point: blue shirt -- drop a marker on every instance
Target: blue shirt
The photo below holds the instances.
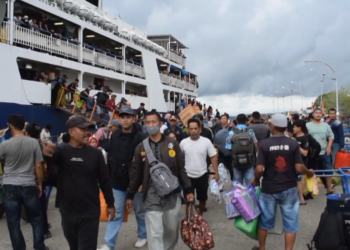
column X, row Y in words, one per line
column 2, row 139
column 338, row 131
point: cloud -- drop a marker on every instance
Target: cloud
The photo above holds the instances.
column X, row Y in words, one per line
column 251, row 48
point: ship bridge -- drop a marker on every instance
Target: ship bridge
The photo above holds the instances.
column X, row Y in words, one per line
column 174, row 47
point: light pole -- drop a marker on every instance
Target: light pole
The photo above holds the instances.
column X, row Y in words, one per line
column 278, row 103
column 334, row 79
column 322, row 83
column 273, row 105
column 291, row 98
column 302, row 96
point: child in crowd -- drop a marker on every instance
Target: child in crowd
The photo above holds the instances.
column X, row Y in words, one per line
column 93, row 142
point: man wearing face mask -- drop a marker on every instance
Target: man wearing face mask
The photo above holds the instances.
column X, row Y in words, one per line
column 82, row 172
column 161, row 213
column 120, row 154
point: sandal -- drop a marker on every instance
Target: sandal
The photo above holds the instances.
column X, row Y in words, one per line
column 332, row 192
column 302, row 203
column 255, row 248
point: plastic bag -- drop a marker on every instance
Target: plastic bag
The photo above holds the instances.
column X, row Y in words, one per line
column 315, row 186
column 223, row 176
column 246, row 202
column 231, row 211
column 215, row 191
column 308, row 184
column 249, row 228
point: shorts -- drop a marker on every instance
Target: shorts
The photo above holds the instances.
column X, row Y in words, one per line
column 324, row 162
column 200, row 185
column 288, row 201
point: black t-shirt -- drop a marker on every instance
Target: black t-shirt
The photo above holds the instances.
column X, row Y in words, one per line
column 141, row 113
column 304, row 144
column 82, row 172
column 102, row 98
column 206, row 133
column 279, row 155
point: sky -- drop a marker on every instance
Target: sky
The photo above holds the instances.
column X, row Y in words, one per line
column 244, row 52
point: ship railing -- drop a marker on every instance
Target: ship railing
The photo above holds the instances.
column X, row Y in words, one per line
column 134, row 68
column 87, row 107
column 45, row 41
column 5, row 32
column 164, row 78
column 176, row 58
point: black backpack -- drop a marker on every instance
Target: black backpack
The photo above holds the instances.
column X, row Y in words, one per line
column 330, row 232
column 314, row 149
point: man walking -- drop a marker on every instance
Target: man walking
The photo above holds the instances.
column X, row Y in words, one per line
column 162, row 213
column 279, row 160
column 323, row 134
column 261, row 130
column 22, row 183
column 338, row 132
column 196, row 149
column 82, row 172
column 120, row 154
column 243, row 157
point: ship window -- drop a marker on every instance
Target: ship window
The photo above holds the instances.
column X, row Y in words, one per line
column 135, row 89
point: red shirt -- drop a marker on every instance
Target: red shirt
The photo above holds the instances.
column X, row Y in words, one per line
column 110, row 104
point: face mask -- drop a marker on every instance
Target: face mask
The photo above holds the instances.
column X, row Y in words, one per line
column 153, row 130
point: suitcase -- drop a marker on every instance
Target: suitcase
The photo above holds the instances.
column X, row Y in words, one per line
column 339, row 203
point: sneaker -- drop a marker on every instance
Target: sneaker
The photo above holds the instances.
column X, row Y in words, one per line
column 140, row 243
column 105, row 247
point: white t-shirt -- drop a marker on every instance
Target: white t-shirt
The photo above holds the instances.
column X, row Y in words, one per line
column 45, row 136
column 196, row 153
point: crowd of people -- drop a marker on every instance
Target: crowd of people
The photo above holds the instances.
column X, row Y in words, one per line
column 117, row 159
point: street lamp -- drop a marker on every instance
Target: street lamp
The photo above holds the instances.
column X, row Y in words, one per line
column 322, row 82
column 302, row 96
column 291, row 98
column 278, row 103
column 334, row 79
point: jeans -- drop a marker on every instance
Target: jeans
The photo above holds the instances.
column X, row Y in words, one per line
column 247, row 175
column 289, row 204
column 163, row 227
column 43, row 204
column 324, row 162
column 335, row 150
column 13, row 198
column 80, row 233
column 114, row 226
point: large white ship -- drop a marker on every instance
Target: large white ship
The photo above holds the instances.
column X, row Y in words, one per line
column 77, row 39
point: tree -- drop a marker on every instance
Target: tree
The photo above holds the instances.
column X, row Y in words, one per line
column 329, row 100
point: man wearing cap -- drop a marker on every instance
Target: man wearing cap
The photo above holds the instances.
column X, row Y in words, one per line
column 279, row 160
column 176, row 129
column 113, row 126
column 123, row 143
column 82, row 172
column 323, row 134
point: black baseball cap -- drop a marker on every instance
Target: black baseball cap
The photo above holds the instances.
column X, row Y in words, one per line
column 79, row 122
column 126, row 110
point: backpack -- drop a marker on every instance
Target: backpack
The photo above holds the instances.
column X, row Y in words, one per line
column 242, row 149
column 314, row 148
column 163, row 179
column 331, row 224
